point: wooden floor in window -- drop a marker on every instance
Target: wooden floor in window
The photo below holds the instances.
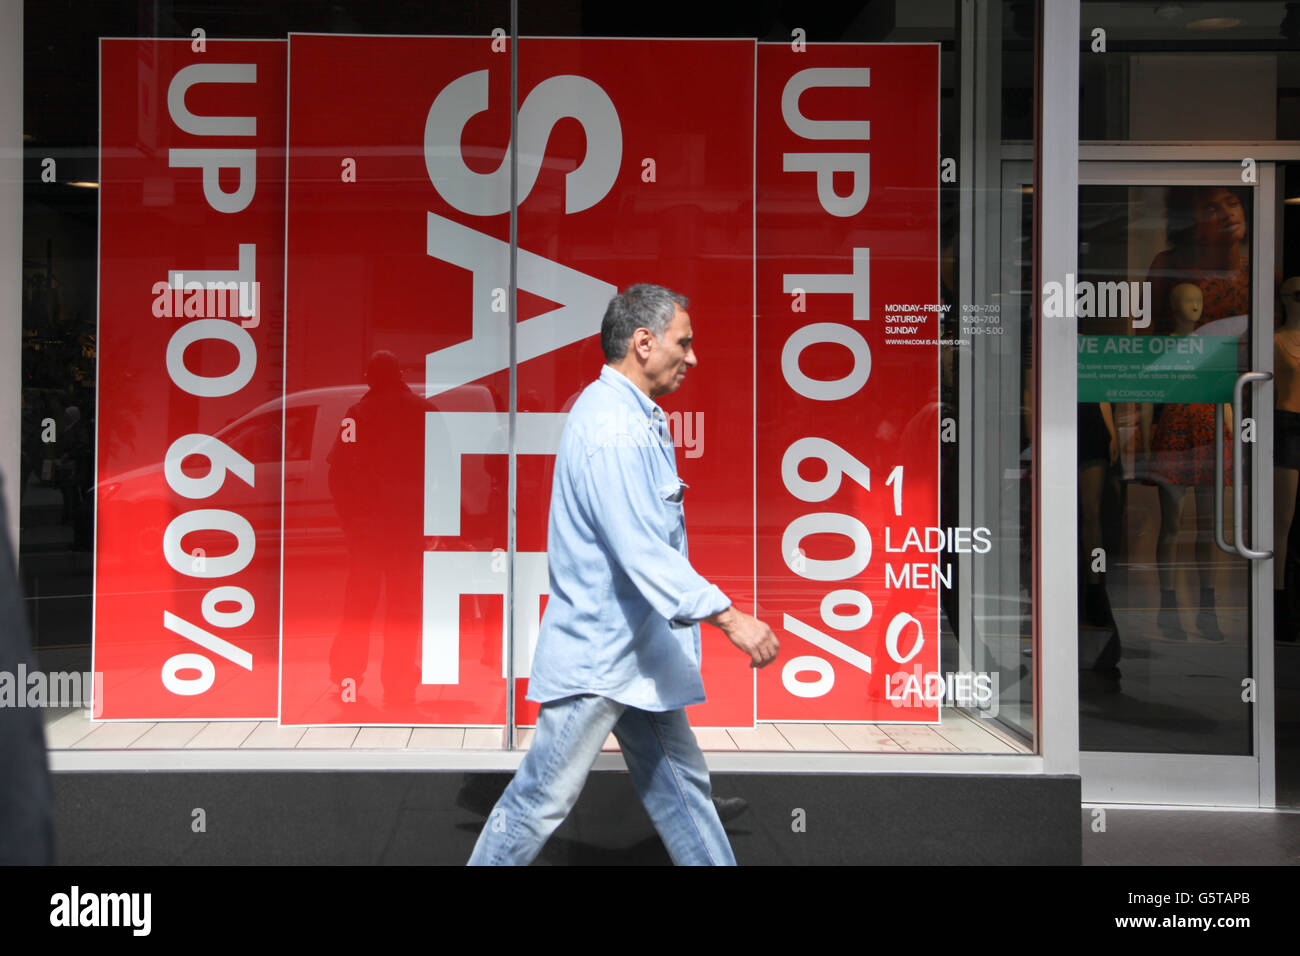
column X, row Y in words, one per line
column 72, row 729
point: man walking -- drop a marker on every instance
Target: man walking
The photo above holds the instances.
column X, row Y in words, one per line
column 619, row 647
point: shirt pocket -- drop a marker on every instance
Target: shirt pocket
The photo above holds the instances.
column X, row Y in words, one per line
column 671, row 493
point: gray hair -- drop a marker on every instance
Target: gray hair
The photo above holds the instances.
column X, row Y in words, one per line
column 641, row 306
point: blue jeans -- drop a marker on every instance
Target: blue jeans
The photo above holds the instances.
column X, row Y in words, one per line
column 662, row 756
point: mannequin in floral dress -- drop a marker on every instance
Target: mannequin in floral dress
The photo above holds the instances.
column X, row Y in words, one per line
column 1203, row 278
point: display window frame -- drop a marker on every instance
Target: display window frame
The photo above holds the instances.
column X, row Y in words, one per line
column 1053, row 700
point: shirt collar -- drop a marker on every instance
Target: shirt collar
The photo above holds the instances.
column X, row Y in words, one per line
column 624, row 386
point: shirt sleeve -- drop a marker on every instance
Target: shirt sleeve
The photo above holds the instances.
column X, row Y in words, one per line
column 629, row 517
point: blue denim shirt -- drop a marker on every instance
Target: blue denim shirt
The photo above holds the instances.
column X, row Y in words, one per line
column 622, row 617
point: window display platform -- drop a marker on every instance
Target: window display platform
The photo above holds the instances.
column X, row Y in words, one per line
column 70, row 729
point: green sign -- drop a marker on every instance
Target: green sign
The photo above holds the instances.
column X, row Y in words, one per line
column 1162, row 369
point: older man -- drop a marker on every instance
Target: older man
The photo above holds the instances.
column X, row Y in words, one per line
column 619, row 648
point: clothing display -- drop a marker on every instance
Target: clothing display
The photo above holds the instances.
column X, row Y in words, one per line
column 1094, row 438
column 1224, row 292
column 1182, row 446
column 1182, row 438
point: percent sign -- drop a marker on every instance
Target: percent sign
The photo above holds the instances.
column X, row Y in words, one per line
column 832, row 646
column 898, row 624
column 839, row 464
column 208, row 641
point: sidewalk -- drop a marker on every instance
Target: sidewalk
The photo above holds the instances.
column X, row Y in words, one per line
column 1182, row 837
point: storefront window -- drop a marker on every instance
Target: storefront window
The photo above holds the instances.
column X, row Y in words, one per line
column 318, row 518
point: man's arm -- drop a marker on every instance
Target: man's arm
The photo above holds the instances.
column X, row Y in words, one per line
column 623, row 511
column 629, row 519
column 749, row 634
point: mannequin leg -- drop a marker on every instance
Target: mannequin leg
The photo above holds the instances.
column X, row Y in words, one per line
column 1091, row 482
column 1096, row 606
column 1171, row 516
column 1207, row 619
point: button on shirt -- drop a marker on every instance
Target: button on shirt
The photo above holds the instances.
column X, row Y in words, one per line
column 622, row 617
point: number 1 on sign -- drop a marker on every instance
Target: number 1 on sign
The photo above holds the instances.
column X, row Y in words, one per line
column 896, row 479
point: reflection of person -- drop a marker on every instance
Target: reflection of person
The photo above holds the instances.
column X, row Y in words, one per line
column 1286, row 449
column 376, row 475
column 1210, row 248
column 619, row 647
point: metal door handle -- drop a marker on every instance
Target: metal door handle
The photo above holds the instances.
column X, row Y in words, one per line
column 1238, row 453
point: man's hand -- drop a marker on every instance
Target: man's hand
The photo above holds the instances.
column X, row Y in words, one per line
column 749, row 634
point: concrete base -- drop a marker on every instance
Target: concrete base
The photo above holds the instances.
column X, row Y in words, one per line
column 412, row 818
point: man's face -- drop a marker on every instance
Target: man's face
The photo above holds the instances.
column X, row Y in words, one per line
column 671, row 355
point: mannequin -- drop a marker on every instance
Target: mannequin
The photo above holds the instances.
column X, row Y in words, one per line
column 1186, row 304
column 1286, row 448
column 1181, row 447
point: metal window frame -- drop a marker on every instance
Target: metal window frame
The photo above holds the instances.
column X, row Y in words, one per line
column 1056, row 390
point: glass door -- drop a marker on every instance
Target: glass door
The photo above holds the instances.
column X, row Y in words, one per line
column 1174, row 302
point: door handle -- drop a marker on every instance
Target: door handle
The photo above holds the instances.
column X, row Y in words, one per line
column 1238, row 453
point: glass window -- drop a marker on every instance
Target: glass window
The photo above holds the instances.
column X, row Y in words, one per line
column 1164, row 629
column 1189, row 71
column 849, row 209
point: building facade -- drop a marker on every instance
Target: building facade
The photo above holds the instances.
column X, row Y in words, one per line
column 994, row 421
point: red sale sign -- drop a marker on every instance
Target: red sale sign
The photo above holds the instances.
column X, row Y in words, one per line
column 848, row 425
column 398, row 348
column 797, row 207
column 188, row 424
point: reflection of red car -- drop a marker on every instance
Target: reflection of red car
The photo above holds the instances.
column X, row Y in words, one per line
column 310, row 422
